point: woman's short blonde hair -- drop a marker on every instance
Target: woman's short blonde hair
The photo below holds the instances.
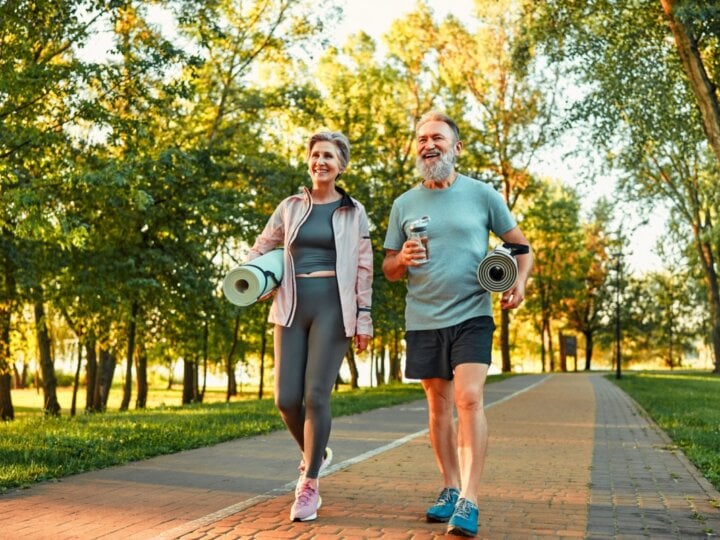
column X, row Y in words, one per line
column 340, row 141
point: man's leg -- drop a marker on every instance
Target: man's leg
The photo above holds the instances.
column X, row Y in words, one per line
column 472, row 426
column 443, row 436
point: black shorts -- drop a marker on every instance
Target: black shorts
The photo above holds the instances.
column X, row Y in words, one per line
column 436, row 353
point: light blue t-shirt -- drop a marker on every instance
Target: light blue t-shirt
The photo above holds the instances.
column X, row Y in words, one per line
column 445, row 291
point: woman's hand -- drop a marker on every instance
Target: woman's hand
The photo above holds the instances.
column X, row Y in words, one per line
column 361, row 342
column 267, row 296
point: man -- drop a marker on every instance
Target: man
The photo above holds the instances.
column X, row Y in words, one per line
column 449, row 324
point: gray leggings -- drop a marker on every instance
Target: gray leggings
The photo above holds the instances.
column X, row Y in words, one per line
column 308, row 355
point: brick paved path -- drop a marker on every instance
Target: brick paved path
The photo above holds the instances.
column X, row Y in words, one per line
column 570, row 456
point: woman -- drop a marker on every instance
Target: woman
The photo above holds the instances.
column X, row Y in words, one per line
column 323, row 301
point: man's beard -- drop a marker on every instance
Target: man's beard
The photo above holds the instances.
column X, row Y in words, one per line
column 439, row 170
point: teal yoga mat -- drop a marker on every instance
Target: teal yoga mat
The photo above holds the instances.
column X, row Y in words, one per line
column 247, row 283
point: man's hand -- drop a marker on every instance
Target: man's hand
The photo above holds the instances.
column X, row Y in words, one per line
column 412, row 251
column 514, row 297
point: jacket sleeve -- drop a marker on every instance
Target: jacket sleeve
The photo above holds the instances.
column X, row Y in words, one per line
column 272, row 236
column 363, row 285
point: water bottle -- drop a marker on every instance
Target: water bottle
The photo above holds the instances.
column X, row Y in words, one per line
column 418, row 231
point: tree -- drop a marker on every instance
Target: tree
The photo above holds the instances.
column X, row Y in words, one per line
column 552, row 225
column 585, row 307
column 40, row 81
column 695, row 26
column 650, row 72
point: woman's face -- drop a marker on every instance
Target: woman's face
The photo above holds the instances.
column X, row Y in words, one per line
column 323, row 163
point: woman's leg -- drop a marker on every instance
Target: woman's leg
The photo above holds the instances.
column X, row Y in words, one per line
column 326, row 348
column 290, row 361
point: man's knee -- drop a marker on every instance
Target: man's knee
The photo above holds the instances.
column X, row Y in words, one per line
column 469, row 399
column 439, row 395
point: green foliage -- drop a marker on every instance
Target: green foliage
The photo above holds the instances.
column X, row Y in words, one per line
column 687, row 407
column 644, row 106
column 41, row 448
column 552, row 225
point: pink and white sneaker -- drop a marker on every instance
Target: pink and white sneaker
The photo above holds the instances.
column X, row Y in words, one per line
column 307, row 502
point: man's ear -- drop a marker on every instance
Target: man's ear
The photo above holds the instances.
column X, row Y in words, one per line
column 458, row 147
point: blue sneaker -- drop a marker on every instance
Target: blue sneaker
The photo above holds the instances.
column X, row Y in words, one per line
column 444, row 506
column 464, row 521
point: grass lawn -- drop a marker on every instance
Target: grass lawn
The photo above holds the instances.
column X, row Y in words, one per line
column 35, row 448
column 687, row 407
column 29, row 401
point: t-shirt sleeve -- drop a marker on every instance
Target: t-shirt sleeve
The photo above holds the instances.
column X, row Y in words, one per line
column 501, row 219
column 394, row 237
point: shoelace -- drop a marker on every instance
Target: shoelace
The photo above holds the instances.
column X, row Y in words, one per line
column 306, row 493
column 463, row 509
column 446, row 496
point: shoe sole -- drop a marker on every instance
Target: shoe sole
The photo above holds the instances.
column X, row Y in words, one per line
column 431, row 519
column 311, row 517
column 459, row 531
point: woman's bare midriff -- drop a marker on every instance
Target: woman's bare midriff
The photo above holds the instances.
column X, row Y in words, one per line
column 319, row 273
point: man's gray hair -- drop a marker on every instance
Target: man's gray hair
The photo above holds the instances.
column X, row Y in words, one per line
column 436, row 116
column 340, row 141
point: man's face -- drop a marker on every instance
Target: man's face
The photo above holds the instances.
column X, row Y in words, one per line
column 436, row 150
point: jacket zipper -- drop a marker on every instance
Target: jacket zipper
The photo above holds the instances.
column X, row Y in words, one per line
column 291, row 315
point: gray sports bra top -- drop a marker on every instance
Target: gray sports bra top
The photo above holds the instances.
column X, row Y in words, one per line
column 314, row 247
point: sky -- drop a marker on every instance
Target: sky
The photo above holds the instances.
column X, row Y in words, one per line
column 375, row 16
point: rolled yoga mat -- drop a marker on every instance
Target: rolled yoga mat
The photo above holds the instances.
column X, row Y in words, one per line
column 247, row 283
column 498, row 271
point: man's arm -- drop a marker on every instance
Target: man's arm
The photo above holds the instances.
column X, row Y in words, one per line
column 396, row 262
column 514, row 297
column 393, row 269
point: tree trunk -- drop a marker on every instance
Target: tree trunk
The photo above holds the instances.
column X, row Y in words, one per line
column 395, row 374
column 229, row 364
column 588, row 350
column 263, row 350
column 171, row 368
column 206, row 337
column 702, row 86
column 7, row 411
column 104, row 379
column 542, row 345
column 132, row 329
column 381, row 352
column 8, row 270
column 76, row 380
column 188, row 395
column 505, row 340
column 51, row 405
column 551, row 352
column 91, row 373
column 350, row 357
column 707, row 259
column 142, row 379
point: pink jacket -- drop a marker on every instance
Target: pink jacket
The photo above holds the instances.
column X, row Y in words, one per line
column 354, row 266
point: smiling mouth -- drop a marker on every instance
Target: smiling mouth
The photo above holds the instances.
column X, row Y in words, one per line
column 430, row 155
